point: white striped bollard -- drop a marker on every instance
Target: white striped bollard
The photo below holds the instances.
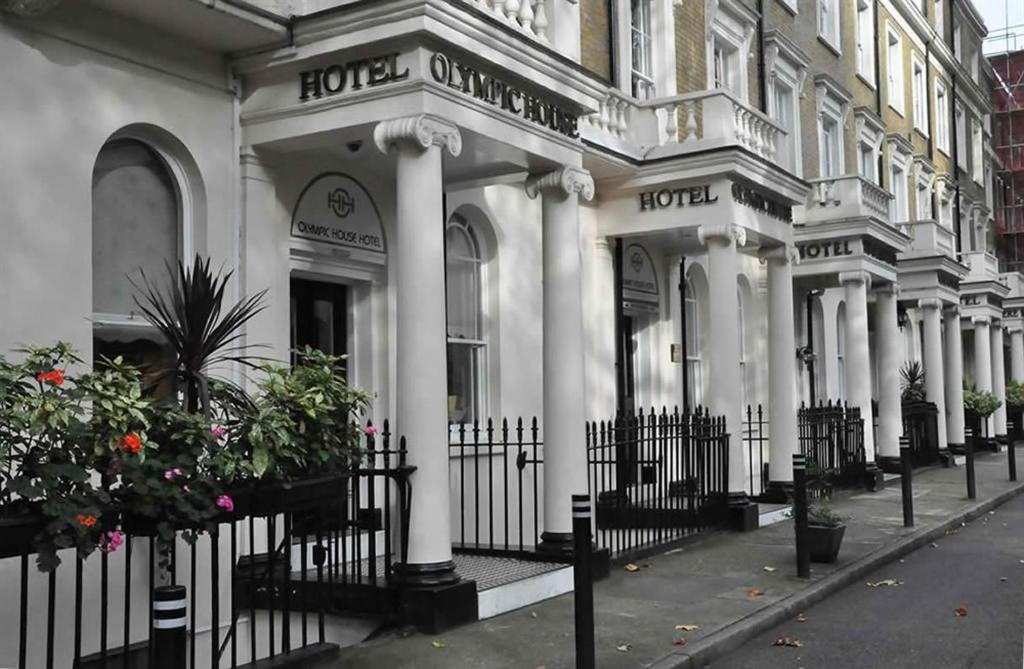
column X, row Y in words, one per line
column 803, row 555
column 583, row 582
column 168, row 636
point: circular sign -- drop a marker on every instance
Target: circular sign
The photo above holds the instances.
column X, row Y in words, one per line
column 337, row 209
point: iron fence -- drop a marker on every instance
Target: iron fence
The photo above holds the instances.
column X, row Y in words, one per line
column 495, row 477
column 259, row 585
column 656, row 477
column 756, row 440
column 831, row 437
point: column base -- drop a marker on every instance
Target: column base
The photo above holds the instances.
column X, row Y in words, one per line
column 874, row 478
column 742, row 513
column 433, row 598
column 889, row 464
column 1002, row 441
column 556, row 545
column 777, row 492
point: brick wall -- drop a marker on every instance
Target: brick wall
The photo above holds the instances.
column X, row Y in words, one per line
column 595, row 37
column 691, row 54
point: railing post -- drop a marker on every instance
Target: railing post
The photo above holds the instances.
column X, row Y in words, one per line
column 168, row 635
column 583, row 582
column 1011, row 450
column 969, row 450
column 906, row 471
column 803, row 556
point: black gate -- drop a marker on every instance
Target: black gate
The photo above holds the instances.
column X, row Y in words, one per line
column 832, row 439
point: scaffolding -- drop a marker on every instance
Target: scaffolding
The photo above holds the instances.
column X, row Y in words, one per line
column 1008, row 145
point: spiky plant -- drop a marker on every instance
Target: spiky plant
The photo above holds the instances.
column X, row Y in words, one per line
column 912, row 382
column 188, row 313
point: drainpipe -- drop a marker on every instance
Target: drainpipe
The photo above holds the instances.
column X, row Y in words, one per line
column 762, row 90
column 928, row 110
column 878, row 87
column 958, row 236
column 620, row 345
column 613, row 25
column 682, row 319
column 810, row 346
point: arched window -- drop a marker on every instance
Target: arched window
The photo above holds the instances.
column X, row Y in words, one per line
column 466, row 340
column 841, row 352
column 694, row 366
column 136, row 224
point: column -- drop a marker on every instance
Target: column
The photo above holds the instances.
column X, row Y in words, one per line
column 954, row 379
column 999, row 380
column 858, row 360
column 887, row 336
column 417, row 254
column 565, row 450
column 1017, row 354
column 934, row 375
column 983, row 361
column 723, row 355
column 781, row 371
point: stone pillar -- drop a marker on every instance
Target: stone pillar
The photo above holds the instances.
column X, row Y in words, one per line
column 723, row 357
column 417, row 254
column 1017, row 354
column 999, row 381
column 782, row 407
column 983, row 362
column 954, row 379
column 887, row 336
column 934, row 374
column 565, row 450
column 858, row 360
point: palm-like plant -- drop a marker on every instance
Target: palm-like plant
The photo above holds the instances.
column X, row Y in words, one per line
column 188, row 315
column 912, row 382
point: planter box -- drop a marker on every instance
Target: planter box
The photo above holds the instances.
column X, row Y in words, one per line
column 17, row 534
column 823, row 542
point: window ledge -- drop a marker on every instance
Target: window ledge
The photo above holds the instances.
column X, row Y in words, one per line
column 867, row 82
column 943, row 151
column 789, row 6
column 920, row 131
column 829, row 45
column 896, row 109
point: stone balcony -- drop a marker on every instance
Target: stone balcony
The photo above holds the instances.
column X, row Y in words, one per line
column 929, row 238
column 846, row 197
column 680, row 124
column 983, row 265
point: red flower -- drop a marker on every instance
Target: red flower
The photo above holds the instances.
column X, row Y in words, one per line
column 132, row 443
column 53, row 377
column 87, row 521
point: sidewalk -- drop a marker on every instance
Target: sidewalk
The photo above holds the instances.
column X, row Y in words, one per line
column 708, row 583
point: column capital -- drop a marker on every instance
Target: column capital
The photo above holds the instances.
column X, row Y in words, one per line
column 951, row 310
column 786, row 254
column 423, row 130
column 570, row 180
column 728, row 231
column 856, row 276
column 888, row 289
column 980, row 320
column 929, row 303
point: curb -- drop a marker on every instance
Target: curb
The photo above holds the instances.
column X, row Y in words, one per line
column 734, row 635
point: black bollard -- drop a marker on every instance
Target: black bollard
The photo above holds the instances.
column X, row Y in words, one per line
column 972, row 491
column 168, row 635
column 906, row 471
column 1011, row 451
column 803, row 556
column 583, row 582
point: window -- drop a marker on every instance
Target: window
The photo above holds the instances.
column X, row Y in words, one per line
column 841, row 352
column 977, row 152
column 785, row 112
column 958, row 49
column 828, row 22
column 941, row 117
column 466, row 342
column 870, row 133
column 900, row 151
column 946, row 206
column 832, row 104
column 924, row 202
column 867, row 163
column 920, row 92
column 725, row 65
column 694, row 367
column 940, row 19
column 865, row 41
column 925, row 183
column 136, row 225
column 643, row 70
column 831, row 148
column 894, row 65
column 961, row 137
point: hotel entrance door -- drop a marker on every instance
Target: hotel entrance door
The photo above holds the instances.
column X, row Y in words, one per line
column 319, row 316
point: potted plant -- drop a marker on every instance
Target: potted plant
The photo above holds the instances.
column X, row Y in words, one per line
column 978, row 406
column 1015, row 406
column 825, row 530
column 912, row 380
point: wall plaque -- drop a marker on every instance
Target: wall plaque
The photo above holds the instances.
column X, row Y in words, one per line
column 336, row 209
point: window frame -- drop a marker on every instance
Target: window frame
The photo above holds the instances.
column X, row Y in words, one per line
column 900, row 160
column 942, row 117
column 832, row 107
column 694, row 354
column 831, row 23
column 895, row 91
column 924, row 182
column 865, row 19
column 919, row 93
column 640, row 77
column 479, row 346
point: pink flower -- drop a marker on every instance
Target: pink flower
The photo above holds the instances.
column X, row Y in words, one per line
column 186, row 488
column 218, row 431
column 371, row 430
column 110, row 541
column 170, row 474
column 226, row 503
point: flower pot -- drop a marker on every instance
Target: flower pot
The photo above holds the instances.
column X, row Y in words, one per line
column 823, row 542
column 267, row 499
column 18, row 533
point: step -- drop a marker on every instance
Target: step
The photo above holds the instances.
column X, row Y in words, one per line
column 770, row 514
column 342, row 548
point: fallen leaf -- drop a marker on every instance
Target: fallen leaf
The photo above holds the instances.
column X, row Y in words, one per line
column 1002, row 578
column 788, row 641
column 934, row 545
column 886, row 582
column 624, row 647
column 679, row 641
column 631, row 567
column 533, row 614
column 800, row 618
column 437, row 643
column 769, row 569
column 687, row 628
column 948, row 532
column 754, row 592
column 960, row 611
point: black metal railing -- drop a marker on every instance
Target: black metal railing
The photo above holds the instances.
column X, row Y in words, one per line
column 756, row 440
column 656, row 477
column 259, row 585
column 831, row 437
column 921, row 427
column 495, row 477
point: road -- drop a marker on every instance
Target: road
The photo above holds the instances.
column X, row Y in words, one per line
column 979, row 568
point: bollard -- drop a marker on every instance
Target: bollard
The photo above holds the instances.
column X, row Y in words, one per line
column 906, row 470
column 583, row 582
column 1011, row 451
column 168, row 635
column 969, row 452
column 803, row 555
